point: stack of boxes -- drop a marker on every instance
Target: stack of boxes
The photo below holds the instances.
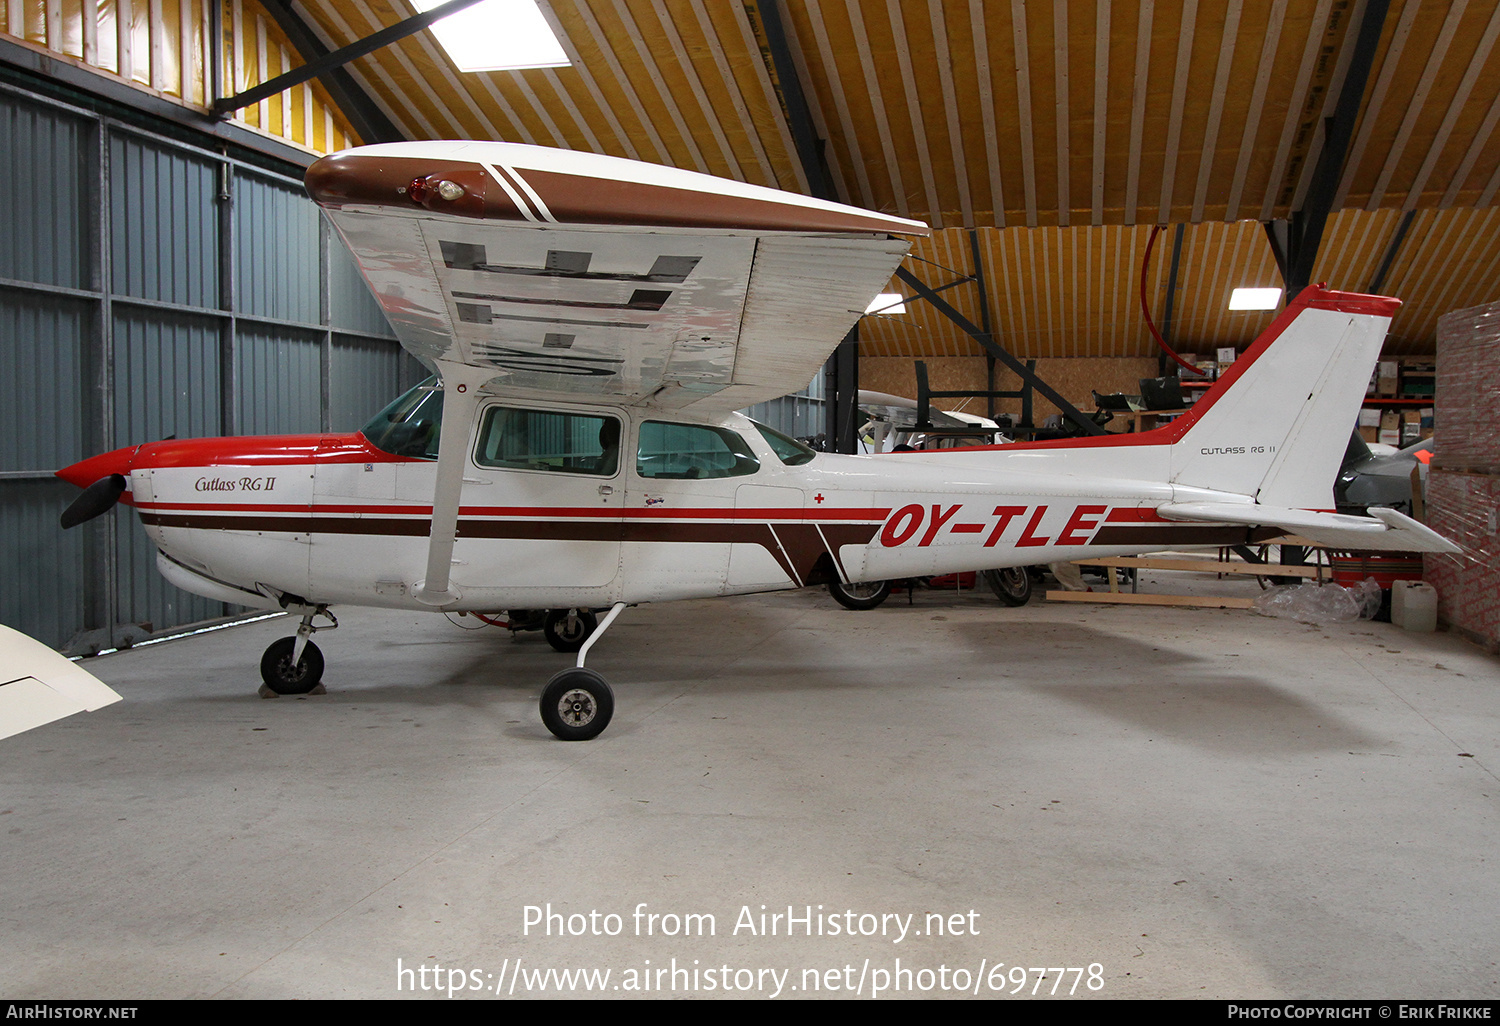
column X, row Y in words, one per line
column 1463, row 488
column 1398, row 424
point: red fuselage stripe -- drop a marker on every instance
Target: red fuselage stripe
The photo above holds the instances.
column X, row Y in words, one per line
column 819, row 515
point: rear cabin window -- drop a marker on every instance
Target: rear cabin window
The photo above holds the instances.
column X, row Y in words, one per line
column 565, row 443
column 692, row 452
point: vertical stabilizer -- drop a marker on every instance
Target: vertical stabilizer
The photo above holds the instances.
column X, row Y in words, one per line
column 1276, row 426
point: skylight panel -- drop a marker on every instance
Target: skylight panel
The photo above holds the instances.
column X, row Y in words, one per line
column 498, row 35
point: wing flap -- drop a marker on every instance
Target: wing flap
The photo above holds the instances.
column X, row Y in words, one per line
column 1384, row 529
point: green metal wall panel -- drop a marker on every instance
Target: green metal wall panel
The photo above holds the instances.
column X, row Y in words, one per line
column 279, row 377
column 276, row 251
column 112, row 333
column 164, row 231
column 44, row 209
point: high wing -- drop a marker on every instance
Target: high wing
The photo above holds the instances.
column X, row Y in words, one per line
column 579, row 276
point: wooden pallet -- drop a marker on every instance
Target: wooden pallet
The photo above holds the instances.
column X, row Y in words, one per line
column 1202, row 566
column 1126, row 598
column 1207, row 566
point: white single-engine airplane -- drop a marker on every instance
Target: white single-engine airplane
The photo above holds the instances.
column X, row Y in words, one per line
column 592, row 324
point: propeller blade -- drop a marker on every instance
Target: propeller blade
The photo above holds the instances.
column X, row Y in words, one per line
column 97, row 498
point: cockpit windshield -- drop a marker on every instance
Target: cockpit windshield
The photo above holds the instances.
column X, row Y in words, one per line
column 410, row 425
column 790, row 451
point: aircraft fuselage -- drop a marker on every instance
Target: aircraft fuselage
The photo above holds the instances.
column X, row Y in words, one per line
column 333, row 519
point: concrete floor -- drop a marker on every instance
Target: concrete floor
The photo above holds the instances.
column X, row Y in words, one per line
column 1204, row 803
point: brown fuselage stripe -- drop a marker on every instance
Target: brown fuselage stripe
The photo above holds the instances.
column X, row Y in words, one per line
column 795, row 547
column 800, row 540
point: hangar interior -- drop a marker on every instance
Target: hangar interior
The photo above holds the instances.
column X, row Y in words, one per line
column 1203, row 803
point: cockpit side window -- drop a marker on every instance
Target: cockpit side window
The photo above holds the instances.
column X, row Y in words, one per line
column 566, row 443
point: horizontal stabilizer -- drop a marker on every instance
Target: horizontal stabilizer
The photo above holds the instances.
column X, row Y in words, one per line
column 1383, row 529
column 38, row 686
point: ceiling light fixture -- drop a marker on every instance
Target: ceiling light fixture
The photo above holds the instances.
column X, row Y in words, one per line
column 1254, row 299
column 498, row 35
column 887, row 303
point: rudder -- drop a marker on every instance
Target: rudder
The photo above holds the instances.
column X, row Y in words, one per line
column 1276, row 426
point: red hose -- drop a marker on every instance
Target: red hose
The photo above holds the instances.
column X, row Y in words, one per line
column 1146, row 309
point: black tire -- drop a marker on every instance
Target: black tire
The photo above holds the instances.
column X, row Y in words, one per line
column 866, row 595
column 567, row 635
column 577, row 704
column 277, row 671
column 1012, row 585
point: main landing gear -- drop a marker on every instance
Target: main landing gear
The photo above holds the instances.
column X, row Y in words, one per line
column 294, row 666
column 1012, row 586
column 863, row 595
column 577, row 703
column 566, row 630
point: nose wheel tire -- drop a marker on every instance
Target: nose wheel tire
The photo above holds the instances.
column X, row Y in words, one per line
column 567, row 629
column 577, row 704
column 865, row 595
column 281, row 677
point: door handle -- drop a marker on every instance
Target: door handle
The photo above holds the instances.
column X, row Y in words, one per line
column 606, row 490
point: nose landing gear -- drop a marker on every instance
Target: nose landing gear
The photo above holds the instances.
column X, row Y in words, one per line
column 294, row 666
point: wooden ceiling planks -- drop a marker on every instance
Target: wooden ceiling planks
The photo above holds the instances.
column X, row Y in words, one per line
column 1072, row 125
column 1075, row 292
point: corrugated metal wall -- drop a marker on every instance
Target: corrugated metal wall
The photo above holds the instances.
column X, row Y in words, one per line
column 150, row 288
column 801, row 415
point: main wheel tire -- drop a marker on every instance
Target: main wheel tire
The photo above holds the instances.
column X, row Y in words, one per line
column 866, row 595
column 567, row 629
column 1012, row 585
column 281, row 677
column 577, row 704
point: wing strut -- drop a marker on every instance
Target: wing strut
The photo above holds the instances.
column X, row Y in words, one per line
column 460, row 400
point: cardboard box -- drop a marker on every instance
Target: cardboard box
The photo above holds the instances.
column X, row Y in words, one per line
column 1388, row 379
column 1390, row 428
column 1369, row 434
column 1369, row 418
